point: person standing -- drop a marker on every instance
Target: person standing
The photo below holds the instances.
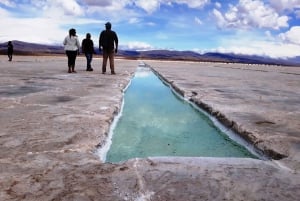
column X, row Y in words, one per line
column 108, row 43
column 71, row 45
column 10, row 50
column 87, row 46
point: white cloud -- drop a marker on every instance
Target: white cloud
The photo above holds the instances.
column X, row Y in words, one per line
column 269, row 35
column 269, row 49
column 50, row 28
column 193, row 3
column 151, row 24
column 218, row 5
column 51, row 21
column 138, row 45
column 8, row 3
column 149, row 5
column 112, row 10
column 46, row 31
column 50, row 8
column 281, row 5
column 292, row 36
column 220, row 20
column 198, row 21
column 134, row 20
column 3, row 13
column 152, row 5
column 70, row 7
column 250, row 14
column 297, row 13
column 103, row 3
column 252, row 44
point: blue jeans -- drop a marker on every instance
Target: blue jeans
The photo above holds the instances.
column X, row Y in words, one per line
column 89, row 58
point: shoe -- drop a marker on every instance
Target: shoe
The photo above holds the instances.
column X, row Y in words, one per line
column 69, row 71
column 74, row 71
column 89, row 69
column 113, row 73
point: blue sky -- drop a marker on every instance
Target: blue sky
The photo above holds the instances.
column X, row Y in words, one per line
column 260, row 27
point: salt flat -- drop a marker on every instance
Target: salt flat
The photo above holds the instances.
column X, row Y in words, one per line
column 52, row 122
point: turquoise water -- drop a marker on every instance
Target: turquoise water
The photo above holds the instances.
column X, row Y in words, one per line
column 156, row 122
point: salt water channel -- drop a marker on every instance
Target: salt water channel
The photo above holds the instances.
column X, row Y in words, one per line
column 155, row 121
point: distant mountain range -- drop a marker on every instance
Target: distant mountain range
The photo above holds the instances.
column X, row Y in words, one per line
column 24, row 48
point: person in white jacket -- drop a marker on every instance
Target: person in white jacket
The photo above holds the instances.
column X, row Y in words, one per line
column 72, row 46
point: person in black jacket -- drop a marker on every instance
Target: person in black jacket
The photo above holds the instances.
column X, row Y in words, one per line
column 10, row 50
column 87, row 46
column 108, row 43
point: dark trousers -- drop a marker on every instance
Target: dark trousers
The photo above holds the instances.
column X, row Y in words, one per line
column 89, row 58
column 108, row 54
column 9, row 56
column 71, row 58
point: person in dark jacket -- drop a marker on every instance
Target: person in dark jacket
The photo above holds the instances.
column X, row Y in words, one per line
column 10, row 50
column 108, row 43
column 87, row 46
